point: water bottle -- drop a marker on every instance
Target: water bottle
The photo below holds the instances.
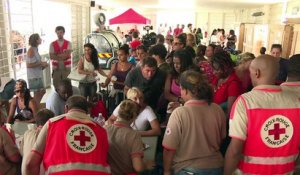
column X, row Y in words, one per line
column 100, row 119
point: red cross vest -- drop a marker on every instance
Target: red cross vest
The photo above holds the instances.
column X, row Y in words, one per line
column 59, row 50
column 75, row 148
column 273, row 138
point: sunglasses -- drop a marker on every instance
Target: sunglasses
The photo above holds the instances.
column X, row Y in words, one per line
column 18, row 91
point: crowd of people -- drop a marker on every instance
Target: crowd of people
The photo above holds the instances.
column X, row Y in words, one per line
column 214, row 114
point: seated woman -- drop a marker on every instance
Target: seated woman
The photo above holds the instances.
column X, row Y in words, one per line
column 146, row 115
column 22, row 104
column 195, row 131
column 126, row 148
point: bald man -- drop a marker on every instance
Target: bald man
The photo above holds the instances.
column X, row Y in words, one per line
column 264, row 125
column 293, row 75
column 67, row 144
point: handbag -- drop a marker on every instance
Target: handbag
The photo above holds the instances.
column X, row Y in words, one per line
column 74, row 75
column 24, row 114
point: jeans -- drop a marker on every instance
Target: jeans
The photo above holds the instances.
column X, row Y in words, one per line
column 88, row 89
column 36, row 84
column 199, row 171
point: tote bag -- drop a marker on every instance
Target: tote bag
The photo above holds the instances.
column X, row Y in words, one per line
column 74, row 75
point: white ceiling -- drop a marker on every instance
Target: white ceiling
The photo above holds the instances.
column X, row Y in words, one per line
column 184, row 4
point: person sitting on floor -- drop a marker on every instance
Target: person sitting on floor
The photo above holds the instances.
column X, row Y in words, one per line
column 57, row 99
column 23, row 104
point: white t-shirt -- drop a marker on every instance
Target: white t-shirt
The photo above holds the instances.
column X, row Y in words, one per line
column 143, row 119
column 213, row 39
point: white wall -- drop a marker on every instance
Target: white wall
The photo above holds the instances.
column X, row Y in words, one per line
column 209, row 19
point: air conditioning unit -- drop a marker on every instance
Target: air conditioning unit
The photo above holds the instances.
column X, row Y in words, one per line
column 256, row 14
column 99, row 19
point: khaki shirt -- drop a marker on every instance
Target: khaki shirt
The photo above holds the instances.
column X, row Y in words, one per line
column 7, row 149
column 195, row 131
column 124, row 143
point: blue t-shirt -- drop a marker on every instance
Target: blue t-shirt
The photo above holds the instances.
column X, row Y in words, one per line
column 132, row 60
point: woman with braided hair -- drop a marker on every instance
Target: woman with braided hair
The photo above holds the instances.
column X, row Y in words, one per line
column 195, row 131
column 227, row 86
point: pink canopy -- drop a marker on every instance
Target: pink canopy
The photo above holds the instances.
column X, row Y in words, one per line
column 130, row 16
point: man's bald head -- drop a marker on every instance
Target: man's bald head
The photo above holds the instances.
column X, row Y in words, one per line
column 64, row 89
column 263, row 70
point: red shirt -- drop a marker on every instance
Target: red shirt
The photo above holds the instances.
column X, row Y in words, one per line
column 207, row 70
column 180, row 31
column 232, row 87
column 135, row 43
column 246, row 82
column 99, row 108
column 176, row 31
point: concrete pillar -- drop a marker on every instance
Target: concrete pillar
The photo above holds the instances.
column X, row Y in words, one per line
column 5, row 47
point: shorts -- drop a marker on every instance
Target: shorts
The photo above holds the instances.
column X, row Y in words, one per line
column 36, row 84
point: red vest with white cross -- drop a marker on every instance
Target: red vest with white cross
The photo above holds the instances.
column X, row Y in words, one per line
column 273, row 136
column 59, row 50
column 73, row 147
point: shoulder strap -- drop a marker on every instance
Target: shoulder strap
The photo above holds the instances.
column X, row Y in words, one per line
column 17, row 105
